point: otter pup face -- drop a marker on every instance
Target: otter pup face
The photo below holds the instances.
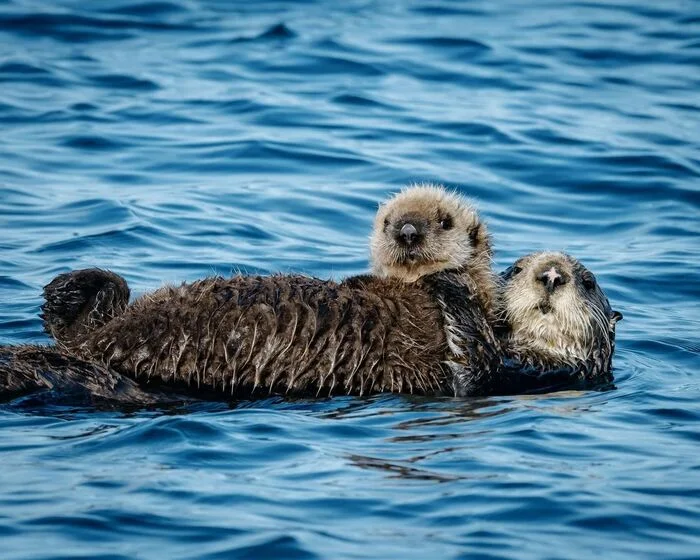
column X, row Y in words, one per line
column 426, row 229
column 554, row 305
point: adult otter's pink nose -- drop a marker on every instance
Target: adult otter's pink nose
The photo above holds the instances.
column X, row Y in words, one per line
column 551, row 279
column 409, row 233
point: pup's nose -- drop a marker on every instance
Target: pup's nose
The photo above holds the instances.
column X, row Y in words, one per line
column 551, row 279
column 409, row 233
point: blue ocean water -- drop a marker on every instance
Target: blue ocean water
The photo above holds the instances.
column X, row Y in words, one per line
column 173, row 139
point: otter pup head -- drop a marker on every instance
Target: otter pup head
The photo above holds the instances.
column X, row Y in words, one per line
column 558, row 313
column 426, row 229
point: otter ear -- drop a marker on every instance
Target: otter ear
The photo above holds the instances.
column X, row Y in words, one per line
column 615, row 317
column 480, row 240
column 507, row 273
column 474, row 234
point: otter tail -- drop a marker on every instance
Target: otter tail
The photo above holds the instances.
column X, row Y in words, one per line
column 80, row 301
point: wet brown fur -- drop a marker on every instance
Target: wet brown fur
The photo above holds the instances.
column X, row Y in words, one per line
column 27, row 369
column 410, row 331
column 82, row 301
column 297, row 335
column 293, row 335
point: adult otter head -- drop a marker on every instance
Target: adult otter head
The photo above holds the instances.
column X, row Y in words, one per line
column 426, row 229
column 558, row 315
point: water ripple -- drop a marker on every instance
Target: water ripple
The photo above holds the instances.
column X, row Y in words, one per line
column 169, row 140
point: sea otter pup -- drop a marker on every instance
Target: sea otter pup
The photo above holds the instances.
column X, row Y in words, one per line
column 558, row 317
column 426, row 229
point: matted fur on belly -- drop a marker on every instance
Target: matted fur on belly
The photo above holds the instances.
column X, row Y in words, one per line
column 292, row 335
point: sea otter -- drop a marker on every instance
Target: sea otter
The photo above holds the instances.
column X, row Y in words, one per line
column 561, row 332
column 294, row 335
column 423, row 324
column 426, row 229
column 421, row 332
column 558, row 316
column 28, row 369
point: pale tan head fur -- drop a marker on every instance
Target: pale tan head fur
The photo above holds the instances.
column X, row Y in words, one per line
column 555, row 307
column 426, row 229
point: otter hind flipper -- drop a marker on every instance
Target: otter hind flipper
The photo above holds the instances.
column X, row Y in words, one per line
column 49, row 376
column 79, row 301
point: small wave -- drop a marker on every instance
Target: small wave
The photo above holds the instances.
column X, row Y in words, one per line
column 324, row 66
column 278, row 31
column 150, row 9
column 72, row 27
column 462, row 44
column 94, row 143
column 359, row 100
column 123, row 81
column 20, row 68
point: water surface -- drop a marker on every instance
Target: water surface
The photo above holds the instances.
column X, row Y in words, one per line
column 169, row 140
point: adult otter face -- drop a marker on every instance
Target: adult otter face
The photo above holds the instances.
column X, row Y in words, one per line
column 425, row 229
column 555, row 308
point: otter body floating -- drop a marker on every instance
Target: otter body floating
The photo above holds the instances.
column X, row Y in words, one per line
column 423, row 324
column 293, row 335
column 420, row 325
column 560, row 333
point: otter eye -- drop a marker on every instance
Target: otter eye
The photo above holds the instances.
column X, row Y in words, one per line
column 588, row 281
column 446, row 223
column 511, row 271
column 386, row 223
